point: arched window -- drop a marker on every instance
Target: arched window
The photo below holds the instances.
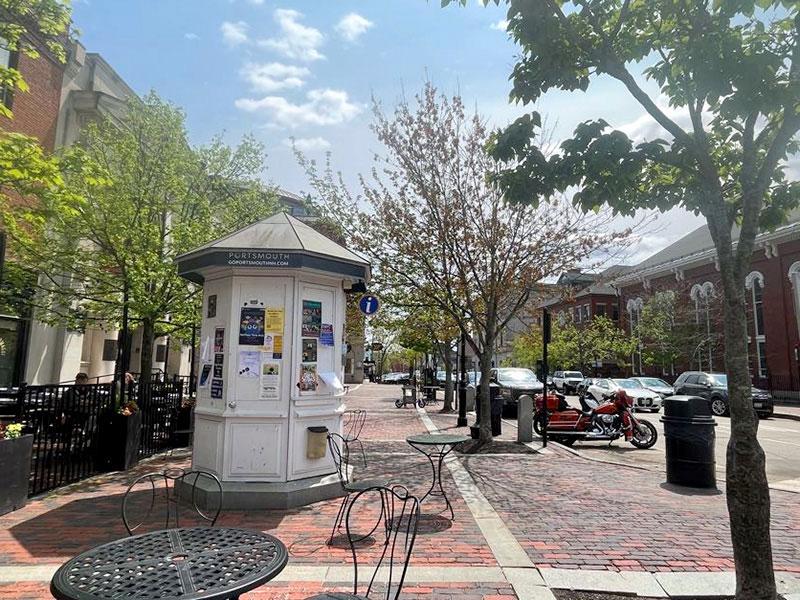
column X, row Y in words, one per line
column 754, row 283
column 635, row 306
column 794, row 278
column 702, row 294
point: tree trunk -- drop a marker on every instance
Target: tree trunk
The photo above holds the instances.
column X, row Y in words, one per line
column 447, row 356
column 746, row 478
column 146, row 356
column 485, row 360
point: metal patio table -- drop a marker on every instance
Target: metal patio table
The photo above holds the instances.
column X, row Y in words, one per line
column 196, row 563
column 435, row 447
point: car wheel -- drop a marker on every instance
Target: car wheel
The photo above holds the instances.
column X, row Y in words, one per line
column 719, row 407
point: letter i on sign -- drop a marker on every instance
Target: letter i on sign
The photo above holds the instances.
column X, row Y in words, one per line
column 369, row 304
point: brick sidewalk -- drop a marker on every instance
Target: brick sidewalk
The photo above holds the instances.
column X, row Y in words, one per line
column 559, row 510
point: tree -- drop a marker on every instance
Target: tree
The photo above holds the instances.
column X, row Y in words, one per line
column 139, row 197
column 434, row 226
column 730, row 73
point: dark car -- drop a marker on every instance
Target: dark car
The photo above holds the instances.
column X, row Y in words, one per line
column 714, row 386
column 515, row 382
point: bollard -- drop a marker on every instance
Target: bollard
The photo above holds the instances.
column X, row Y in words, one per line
column 525, row 419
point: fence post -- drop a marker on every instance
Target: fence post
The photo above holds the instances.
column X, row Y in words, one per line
column 21, row 392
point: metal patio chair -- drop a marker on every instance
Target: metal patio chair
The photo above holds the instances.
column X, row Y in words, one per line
column 399, row 515
column 183, row 491
column 354, row 421
column 340, row 451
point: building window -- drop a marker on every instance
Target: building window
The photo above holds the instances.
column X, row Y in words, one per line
column 576, row 314
column 161, row 353
column 586, row 312
column 755, row 284
column 600, row 309
column 702, row 296
column 8, row 60
column 110, row 350
column 635, row 306
column 614, row 312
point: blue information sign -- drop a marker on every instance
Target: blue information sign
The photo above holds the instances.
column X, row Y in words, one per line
column 369, row 304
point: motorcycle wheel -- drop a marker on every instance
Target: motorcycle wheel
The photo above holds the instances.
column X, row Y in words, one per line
column 644, row 440
column 538, row 424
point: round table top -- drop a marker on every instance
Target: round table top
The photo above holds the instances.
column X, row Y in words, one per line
column 437, row 439
column 198, row 563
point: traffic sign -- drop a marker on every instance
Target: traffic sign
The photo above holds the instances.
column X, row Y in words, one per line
column 369, row 304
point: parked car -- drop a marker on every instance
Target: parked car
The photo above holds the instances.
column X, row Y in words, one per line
column 714, row 386
column 654, row 384
column 584, row 385
column 515, row 382
column 643, row 399
column 395, row 378
column 567, row 381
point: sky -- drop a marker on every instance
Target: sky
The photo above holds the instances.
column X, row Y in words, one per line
column 308, row 70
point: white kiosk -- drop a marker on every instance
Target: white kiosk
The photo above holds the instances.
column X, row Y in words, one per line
column 270, row 360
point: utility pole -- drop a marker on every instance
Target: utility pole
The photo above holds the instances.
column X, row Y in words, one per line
column 545, row 342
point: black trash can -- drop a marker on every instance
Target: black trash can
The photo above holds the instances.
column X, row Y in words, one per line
column 690, row 439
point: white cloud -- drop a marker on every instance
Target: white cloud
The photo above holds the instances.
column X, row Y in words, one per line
column 271, row 77
column 297, row 41
column 323, row 107
column 501, row 25
column 234, row 34
column 191, row 36
column 315, row 144
column 256, row 2
column 353, row 26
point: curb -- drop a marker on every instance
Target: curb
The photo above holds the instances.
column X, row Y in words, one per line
column 786, row 416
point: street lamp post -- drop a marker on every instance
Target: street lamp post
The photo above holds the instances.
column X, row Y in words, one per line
column 545, row 341
column 462, row 387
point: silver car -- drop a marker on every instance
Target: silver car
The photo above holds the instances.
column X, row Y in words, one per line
column 654, row 384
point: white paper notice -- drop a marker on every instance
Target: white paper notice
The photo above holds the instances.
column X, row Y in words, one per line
column 270, row 377
column 249, row 363
column 333, row 382
column 269, row 343
column 205, row 348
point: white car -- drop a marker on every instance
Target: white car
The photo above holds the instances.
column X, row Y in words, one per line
column 643, row 399
column 567, row 381
column 654, row 384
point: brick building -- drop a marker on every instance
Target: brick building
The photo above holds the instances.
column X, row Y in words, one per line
column 687, row 269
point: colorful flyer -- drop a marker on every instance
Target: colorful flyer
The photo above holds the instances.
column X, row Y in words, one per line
column 219, row 339
column 216, row 388
column 277, row 347
column 251, row 326
column 249, row 363
column 274, row 322
column 204, row 373
column 308, row 378
column 326, row 334
column 270, row 378
column 309, row 350
column 312, row 318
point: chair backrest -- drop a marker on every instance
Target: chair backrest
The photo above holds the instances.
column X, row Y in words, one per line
column 399, row 513
column 353, row 423
column 174, row 488
column 340, row 451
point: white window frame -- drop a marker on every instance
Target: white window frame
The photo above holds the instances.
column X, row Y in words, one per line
column 759, row 336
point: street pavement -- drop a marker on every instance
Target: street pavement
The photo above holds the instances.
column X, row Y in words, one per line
column 527, row 521
column 780, row 439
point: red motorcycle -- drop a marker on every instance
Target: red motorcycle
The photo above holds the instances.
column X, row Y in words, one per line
column 608, row 421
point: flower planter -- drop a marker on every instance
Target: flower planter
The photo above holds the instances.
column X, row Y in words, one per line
column 119, row 441
column 15, row 465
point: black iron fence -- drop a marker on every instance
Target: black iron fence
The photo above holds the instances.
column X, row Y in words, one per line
column 66, row 422
column 783, row 388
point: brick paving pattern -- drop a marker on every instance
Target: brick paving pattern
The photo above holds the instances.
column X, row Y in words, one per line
column 566, row 512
